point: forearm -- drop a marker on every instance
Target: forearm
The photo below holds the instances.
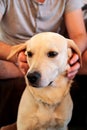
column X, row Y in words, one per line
column 81, row 41
column 7, row 68
column 76, row 28
column 5, row 50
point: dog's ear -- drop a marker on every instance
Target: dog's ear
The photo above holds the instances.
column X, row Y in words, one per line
column 16, row 49
column 73, row 47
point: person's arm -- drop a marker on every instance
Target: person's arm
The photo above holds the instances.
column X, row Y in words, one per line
column 10, row 69
column 76, row 28
column 77, row 32
column 5, row 50
column 7, row 68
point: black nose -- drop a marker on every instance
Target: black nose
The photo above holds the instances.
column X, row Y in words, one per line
column 34, row 78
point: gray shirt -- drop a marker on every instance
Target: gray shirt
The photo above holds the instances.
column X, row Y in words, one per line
column 21, row 19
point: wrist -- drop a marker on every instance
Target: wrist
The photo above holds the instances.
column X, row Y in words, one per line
column 12, row 57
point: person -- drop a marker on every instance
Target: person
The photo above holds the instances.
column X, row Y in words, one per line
column 20, row 20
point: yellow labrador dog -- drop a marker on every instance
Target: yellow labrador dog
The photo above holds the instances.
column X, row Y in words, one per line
column 46, row 103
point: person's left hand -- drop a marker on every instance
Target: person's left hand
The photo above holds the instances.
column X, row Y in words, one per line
column 74, row 66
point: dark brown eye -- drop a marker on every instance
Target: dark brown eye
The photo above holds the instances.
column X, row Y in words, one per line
column 52, row 54
column 29, row 53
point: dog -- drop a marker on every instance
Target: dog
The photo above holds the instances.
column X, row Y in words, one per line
column 46, row 103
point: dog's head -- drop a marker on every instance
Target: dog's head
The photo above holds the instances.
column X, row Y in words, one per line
column 47, row 55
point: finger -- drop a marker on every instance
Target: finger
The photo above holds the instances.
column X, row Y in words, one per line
column 74, row 59
column 22, row 57
column 74, row 68
column 72, row 74
column 23, row 67
column 23, row 71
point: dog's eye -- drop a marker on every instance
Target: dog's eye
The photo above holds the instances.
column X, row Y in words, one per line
column 29, row 53
column 52, row 54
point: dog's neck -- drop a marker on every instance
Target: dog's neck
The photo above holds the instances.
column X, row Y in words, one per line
column 53, row 94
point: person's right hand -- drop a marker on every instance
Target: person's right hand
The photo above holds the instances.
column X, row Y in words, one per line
column 22, row 62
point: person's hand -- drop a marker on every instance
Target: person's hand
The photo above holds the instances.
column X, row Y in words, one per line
column 22, row 62
column 74, row 66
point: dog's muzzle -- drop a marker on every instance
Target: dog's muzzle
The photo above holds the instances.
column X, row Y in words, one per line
column 34, row 78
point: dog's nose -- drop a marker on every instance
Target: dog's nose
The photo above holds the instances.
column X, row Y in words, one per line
column 34, row 78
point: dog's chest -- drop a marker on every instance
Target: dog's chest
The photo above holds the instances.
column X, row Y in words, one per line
column 38, row 114
column 47, row 116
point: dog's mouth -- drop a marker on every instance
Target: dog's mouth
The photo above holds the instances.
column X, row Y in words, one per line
column 50, row 83
column 35, row 80
column 39, row 86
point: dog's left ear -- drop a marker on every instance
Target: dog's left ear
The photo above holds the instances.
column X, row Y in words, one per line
column 73, row 47
column 16, row 49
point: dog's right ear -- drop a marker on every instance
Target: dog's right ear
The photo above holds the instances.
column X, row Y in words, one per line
column 16, row 49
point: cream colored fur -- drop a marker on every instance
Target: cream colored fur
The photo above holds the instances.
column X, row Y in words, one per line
column 48, row 105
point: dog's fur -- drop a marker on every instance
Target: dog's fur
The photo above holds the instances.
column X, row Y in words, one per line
column 46, row 103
